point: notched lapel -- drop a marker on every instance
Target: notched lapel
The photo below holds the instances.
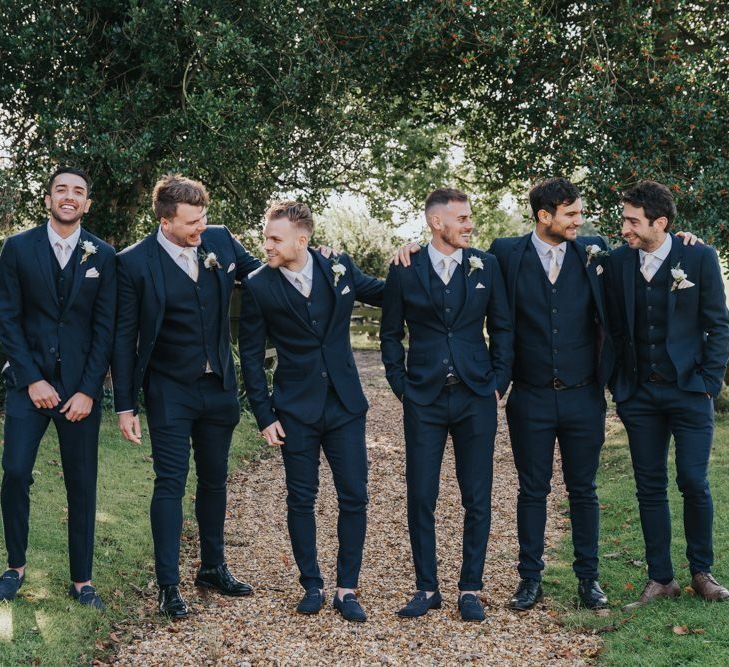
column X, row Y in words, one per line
column 42, row 246
column 512, row 271
column 155, row 267
column 79, row 269
column 421, row 263
column 591, row 277
column 629, row 267
column 207, row 247
column 674, row 258
column 276, row 279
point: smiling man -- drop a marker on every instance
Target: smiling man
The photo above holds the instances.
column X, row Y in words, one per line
column 562, row 362
column 303, row 303
column 671, row 330
column 57, row 306
column 450, row 384
column 173, row 341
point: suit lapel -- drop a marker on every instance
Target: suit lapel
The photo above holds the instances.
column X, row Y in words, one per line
column 326, row 268
column 208, row 247
column 42, row 244
column 80, row 269
column 421, row 264
column 629, row 266
column 591, row 278
column 674, row 258
column 512, row 271
column 155, row 267
column 470, row 283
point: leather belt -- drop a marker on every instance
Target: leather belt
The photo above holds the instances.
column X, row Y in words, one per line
column 556, row 384
column 657, row 378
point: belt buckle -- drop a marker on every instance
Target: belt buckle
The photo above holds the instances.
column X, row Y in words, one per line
column 451, row 380
column 558, row 385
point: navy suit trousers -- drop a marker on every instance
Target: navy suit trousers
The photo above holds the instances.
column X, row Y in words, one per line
column 471, row 421
column 538, row 416
column 204, row 413
column 342, row 437
column 79, row 443
column 651, row 416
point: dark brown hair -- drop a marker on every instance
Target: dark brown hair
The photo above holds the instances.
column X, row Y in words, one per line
column 654, row 198
column 174, row 189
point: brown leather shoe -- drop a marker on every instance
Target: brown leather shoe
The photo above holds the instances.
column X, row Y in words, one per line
column 709, row 588
column 654, row 591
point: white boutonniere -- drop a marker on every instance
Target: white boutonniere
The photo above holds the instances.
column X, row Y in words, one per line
column 210, row 260
column 593, row 251
column 680, row 279
column 476, row 264
column 89, row 249
column 338, row 269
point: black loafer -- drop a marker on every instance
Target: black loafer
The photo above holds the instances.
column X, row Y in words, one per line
column 421, row 604
column 350, row 608
column 591, row 595
column 87, row 596
column 527, row 594
column 10, row 582
column 171, row 603
column 312, row 602
column 222, row 581
column 471, row 608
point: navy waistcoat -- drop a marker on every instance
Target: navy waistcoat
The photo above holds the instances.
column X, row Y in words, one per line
column 190, row 332
column 317, row 308
column 555, row 324
column 448, row 299
column 651, row 324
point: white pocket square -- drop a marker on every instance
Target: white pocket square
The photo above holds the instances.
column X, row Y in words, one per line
column 599, row 269
column 231, row 267
column 92, row 273
column 346, row 290
column 480, row 286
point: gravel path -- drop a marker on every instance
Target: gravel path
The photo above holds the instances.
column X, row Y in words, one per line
column 264, row 630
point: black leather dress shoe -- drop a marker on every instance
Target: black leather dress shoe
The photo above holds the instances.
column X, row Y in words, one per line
column 222, row 581
column 171, row 602
column 312, row 602
column 591, row 595
column 527, row 594
column 421, row 604
column 350, row 608
column 87, row 596
column 471, row 608
column 10, row 582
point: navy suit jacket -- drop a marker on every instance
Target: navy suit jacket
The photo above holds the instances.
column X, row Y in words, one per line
column 408, row 299
column 141, row 307
column 698, row 322
column 298, row 385
column 510, row 251
column 33, row 327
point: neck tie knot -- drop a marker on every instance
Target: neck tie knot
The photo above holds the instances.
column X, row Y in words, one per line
column 447, row 263
column 553, row 264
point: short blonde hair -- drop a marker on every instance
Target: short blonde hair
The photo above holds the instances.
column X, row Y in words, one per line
column 299, row 214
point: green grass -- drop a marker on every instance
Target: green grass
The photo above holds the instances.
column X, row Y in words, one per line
column 43, row 626
column 646, row 636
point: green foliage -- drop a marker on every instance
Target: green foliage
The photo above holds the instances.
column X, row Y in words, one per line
column 371, row 243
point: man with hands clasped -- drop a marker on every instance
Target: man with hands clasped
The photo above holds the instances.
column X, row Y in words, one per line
column 303, row 302
column 57, row 306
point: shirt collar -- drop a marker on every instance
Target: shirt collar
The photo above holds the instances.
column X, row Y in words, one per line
column 70, row 241
column 307, row 271
column 172, row 249
column 436, row 256
column 661, row 253
column 543, row 247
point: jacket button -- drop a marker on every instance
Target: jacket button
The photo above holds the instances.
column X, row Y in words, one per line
column 324, row 374
column 445, row 361
column 450, row 335
column 52, row 350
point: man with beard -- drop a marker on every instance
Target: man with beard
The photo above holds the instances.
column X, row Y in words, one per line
column 57, row 306
column 671, row 330
column 303, row 303
column 173, row 341
column 450, row 385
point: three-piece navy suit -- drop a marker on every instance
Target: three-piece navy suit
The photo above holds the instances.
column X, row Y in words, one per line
column 672, row 347
column 563, row 359
column 448, row 386
column 56, row 325
column 317, row 397
column 173, row 341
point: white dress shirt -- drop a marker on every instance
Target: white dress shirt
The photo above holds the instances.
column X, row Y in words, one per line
column 544, row 250
column 301, row 280
column 437, row 257
column 68, row 244
column 657, row 258
column 185, row 258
